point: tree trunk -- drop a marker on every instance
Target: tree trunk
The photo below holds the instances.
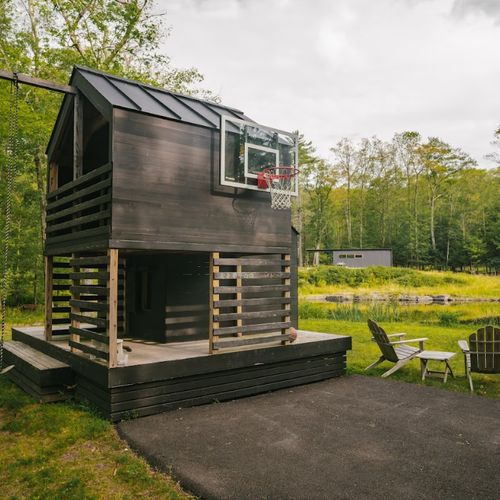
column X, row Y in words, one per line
column 316, row 254
column 433, row 232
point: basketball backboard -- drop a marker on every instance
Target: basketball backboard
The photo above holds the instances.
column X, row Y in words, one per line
column 247, row 148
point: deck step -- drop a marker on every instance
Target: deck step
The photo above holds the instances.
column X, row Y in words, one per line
column 45, row 378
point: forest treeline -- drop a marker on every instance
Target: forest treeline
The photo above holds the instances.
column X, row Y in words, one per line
column 44, row 39
column 425, row 199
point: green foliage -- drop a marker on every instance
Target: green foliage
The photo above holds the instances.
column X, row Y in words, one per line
column 425, row 199
column 45, row 39
column 394, row 312
column 371, row 277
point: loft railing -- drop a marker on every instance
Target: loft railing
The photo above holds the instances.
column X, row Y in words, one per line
column 80, row 209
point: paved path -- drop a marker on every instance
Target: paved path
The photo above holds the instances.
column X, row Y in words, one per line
column 351, row 438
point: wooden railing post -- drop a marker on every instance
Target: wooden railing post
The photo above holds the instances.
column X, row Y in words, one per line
column 286, row 294
column 75, row 296
column 113, row 306
column 49, row 260
column 213, row 297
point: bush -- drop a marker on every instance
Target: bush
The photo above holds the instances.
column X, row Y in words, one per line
column 371, row 276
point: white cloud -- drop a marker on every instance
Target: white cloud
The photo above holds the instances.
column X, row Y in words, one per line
column 350, row 67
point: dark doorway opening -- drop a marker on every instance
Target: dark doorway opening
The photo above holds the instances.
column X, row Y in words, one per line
column 167, row 297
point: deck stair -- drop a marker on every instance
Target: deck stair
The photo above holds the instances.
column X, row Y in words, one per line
column 45, row 378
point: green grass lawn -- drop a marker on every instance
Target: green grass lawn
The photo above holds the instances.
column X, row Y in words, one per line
column 442, row 338
column 64, row 450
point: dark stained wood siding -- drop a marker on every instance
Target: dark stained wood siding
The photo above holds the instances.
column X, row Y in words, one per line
column 165, row 197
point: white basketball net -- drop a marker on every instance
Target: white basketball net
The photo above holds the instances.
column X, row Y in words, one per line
column 281, row 186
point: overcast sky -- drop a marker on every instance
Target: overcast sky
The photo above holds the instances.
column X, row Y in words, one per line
column 349, row 68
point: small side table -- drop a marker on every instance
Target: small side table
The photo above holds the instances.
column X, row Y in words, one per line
column 442, row 356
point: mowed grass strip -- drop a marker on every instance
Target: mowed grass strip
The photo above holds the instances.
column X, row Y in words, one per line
column 441, row 338
column 63, row 450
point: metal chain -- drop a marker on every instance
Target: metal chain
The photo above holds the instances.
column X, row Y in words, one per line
column 10, row 168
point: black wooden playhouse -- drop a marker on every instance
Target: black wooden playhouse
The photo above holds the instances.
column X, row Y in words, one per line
column 170, row 281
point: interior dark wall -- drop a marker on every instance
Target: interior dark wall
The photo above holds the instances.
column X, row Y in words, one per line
column 164, row 196
column 167, row 297
column 95, row 138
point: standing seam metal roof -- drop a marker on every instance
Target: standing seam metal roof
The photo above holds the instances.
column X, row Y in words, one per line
column 143, row 98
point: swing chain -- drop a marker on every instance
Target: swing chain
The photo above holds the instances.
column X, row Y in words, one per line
column 10, row 167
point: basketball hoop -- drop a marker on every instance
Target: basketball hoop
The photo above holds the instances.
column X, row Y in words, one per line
column 280, row 182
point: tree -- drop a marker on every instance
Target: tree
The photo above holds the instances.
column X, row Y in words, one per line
column 307, row 158
column 495, row 156
column 45, row 38
column 440, row 163
column 318, row 180
column 344, row 163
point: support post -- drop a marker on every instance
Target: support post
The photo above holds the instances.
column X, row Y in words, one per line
column 286, row 281
column 75, row 310
column 212, row 298
column 49, row 265
column 113, row 306
column 239, row 308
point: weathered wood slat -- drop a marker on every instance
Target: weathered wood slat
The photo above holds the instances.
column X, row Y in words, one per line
column 251, row 288
column 89, row 275
column 258, row 328
column 61, row 298
column 100, row 200
column 60, row 276
column 91, row 306
column 249, row 315
column 95, row 231
column 57, row 310
column 60, row 321
column 250, row 341
column 98, row 186
column 62, row 265
column 251, row 302
column 248, row 261
column 60, row 287
column 78, row 182
column 251, row 275
column 89, row 261
column 90, row 289
column 103, row 323
column 89, row 350
column 85, row 219
column 91, row 334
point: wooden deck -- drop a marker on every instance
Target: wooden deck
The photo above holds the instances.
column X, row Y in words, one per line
column 160, row 377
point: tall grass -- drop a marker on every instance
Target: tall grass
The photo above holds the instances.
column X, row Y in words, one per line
column 336, row 279
column 393, row 312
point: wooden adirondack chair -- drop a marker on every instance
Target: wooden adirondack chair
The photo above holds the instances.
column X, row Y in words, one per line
column 395, row 351
column 483, row 355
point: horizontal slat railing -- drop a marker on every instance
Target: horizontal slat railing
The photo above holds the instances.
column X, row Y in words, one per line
column 60, row 294
column 70, row 186
column 97, row 304
column 249, row 301
column 79, row 210
column 89, row 306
